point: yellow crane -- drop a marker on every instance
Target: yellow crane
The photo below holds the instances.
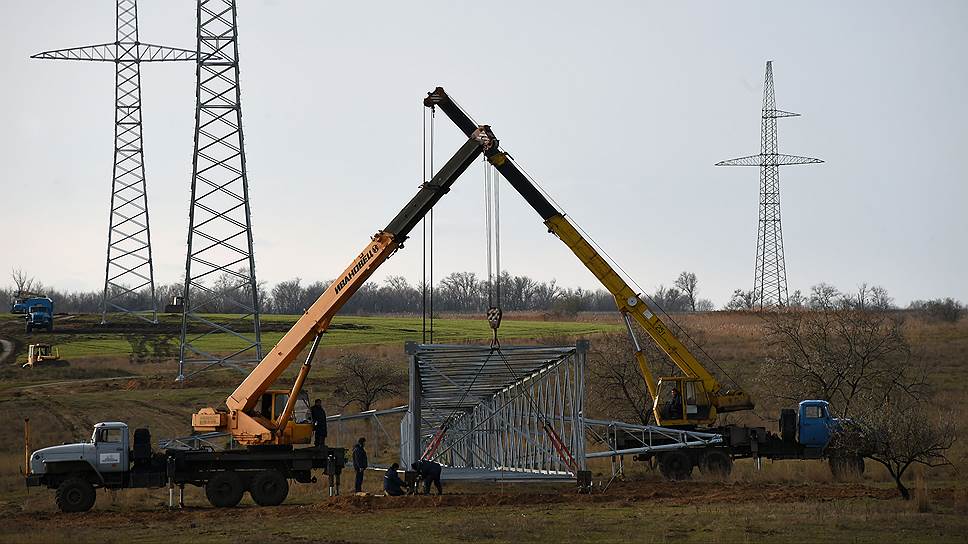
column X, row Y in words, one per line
column 694, row 398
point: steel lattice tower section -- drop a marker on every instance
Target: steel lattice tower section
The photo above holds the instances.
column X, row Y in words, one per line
column 220, row 265
column 770, row 281
column 129, row 267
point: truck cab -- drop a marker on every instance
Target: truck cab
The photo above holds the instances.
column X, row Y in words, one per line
column 815, row 425
column 106, row 453
column 39, row 314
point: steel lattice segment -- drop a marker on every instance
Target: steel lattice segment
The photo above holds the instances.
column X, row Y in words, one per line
column 220, row 320
column 496, row 406
column 770, row 279
column 129, row 273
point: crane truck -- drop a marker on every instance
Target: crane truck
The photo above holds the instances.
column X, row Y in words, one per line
column 261, row 419
column 694, row 399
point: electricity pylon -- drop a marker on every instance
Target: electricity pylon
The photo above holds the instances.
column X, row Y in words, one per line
column 769, row 279
column 220, row 320
column 129, row 269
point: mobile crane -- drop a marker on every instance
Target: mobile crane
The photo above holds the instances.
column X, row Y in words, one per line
column 705, row 395
column 694, row 399
column 257, row 417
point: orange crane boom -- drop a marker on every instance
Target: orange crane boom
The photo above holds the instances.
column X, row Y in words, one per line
column 240, row 417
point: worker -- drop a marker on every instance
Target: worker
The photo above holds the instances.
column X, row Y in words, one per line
column 429, row 472
column 675, row 404
column 392, row 484
column 359, row 463
column 318, row 416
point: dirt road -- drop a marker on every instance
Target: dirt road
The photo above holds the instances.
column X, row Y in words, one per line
column 6, row 350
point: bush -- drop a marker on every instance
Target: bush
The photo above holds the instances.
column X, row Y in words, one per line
column 946, row 309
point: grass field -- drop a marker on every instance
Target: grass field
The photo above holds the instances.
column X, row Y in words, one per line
column 81, row 337
column 106, row 378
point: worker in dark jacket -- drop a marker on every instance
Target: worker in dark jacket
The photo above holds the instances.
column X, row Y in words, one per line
column 359, row 463
column 429, row 472
column 392, row 484
column 318, row 416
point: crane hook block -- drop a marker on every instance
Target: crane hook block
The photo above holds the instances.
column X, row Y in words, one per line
column 494, row 315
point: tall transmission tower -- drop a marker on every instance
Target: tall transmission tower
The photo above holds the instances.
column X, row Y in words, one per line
column 770, row 280
column 220, row 320
column 129, row 269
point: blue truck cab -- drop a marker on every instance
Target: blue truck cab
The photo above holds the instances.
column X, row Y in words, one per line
column 39, row 313
column 815, row 425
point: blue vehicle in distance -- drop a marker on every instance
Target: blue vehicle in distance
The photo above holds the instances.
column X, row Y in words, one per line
column 39, row 314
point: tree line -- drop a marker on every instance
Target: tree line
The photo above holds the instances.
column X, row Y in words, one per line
column 466, row 292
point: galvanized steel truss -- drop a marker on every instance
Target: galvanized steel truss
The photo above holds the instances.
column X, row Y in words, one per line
column 769, row 278
column 496, row 404
column 129, row 270
column 220, row 295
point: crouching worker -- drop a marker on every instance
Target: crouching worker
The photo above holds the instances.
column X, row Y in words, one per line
column 429, row 472
column 393, row 486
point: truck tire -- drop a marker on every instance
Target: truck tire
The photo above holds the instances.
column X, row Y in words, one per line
column 224, row 490
column 30, row 327
column 75, row 495
column 269, row 488
column 716, row 463
column 50, row 327
column 675, row 465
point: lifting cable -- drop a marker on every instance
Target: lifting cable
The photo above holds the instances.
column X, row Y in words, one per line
column 427, row 289
column 492, row 239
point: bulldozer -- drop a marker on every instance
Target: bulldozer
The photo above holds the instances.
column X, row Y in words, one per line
column 38, row 353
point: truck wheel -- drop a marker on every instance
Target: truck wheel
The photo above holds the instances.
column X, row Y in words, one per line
column 224, row 490
column 269, row 488
column 29, row 327
column 75, row 495
column 675, row 465
column 716, row 463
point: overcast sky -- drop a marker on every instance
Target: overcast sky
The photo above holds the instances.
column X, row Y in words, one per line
column 619, row 109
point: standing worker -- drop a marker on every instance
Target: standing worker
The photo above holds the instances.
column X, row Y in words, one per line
column 392, row 484
column 359, row 463
column 429, row 472
column 318, row 416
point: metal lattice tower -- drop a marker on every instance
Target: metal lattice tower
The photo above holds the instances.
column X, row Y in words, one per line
column 129, row 268
column 770, row 281
column 220, row 320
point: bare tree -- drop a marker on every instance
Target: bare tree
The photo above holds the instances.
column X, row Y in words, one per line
column 288, row 297
column 853, row 358
column 947, row 309
column 618, row 389
column 689, row 285
column 823, row 296
column 898, row 434
column 741, row 300
column 21, row 281
column 364, row 381
column 670, row 299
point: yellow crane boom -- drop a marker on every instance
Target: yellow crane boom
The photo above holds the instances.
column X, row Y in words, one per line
column 698, row 393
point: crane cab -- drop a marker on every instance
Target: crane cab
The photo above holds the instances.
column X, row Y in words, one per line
column 299, row 428
column 683, row 401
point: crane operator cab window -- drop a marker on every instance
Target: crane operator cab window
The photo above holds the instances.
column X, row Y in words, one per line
column 683, row 400
column 274, row 403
